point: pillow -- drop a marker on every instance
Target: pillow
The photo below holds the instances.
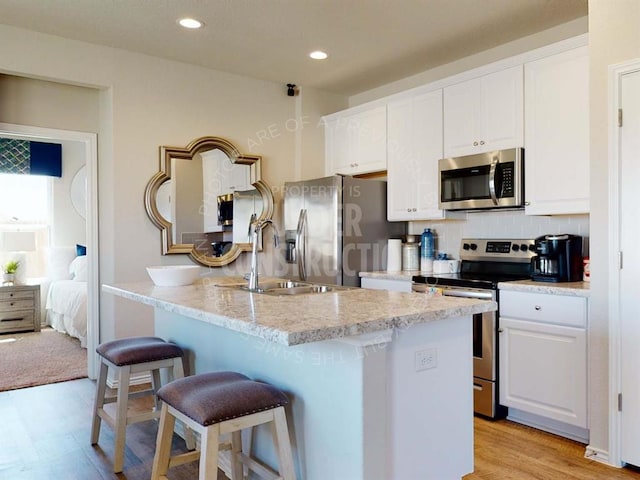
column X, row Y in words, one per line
column 78, row 269
column 81, row 250
column 58, row 261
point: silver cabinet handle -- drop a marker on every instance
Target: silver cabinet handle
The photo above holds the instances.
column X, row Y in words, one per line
column 475, row 144
column 538, row 307
column 481, row 142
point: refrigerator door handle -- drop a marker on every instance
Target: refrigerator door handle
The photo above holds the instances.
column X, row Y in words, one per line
column 301, row 244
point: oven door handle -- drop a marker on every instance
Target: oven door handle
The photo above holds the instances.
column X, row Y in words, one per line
column 492, row 179
column 488, row 295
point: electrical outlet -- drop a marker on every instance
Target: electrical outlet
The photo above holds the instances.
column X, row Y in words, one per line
column 426, row 359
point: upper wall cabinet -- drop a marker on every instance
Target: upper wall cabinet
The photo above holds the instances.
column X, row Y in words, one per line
column 484, row 114
column 414, row 146
column 356, row 142
column 557, row 134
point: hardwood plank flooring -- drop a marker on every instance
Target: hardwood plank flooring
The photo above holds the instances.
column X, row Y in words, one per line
column 44, row 435
column 506, row 450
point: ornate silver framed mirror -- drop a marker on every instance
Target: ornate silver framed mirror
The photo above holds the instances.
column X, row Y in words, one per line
column 204, row 199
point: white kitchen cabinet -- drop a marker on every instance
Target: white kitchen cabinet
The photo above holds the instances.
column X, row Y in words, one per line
column 557, row 134
column 484, row 114
column 543, row 355
column 356, row 142
column 414, row 146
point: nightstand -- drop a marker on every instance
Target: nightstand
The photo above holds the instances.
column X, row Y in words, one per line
column 19, row 308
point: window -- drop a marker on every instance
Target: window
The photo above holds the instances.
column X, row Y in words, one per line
column 25, row 199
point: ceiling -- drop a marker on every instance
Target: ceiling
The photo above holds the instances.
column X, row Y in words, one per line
column 369, row 42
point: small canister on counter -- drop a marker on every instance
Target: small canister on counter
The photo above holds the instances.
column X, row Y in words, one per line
column 586, row 269
column 410, row 256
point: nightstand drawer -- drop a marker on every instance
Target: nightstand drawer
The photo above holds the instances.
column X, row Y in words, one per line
column 16, row 295
column 14, row 321
column 14, row 305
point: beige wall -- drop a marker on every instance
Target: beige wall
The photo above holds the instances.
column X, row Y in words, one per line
column 614, row 37
column 525, row 44
column 144, row 102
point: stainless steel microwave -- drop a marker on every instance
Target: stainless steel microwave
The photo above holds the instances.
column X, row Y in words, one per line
column 483, row 181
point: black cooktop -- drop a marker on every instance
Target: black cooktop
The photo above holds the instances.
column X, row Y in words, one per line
column 465, row 280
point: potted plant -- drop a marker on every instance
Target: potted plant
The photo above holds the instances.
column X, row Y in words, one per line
column 10, row 269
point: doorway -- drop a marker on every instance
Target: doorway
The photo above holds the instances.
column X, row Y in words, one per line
column 88, row 143
column 624, row 289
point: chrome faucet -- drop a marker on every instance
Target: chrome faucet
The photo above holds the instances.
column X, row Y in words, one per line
column 256, row 228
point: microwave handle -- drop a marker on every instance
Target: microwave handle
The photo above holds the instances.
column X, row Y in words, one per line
column 492, row 179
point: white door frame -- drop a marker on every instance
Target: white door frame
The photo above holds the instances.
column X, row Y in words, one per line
column 616, row 72
column 90, row 142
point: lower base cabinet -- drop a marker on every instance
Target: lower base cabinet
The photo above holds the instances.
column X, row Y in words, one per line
column 543, row 356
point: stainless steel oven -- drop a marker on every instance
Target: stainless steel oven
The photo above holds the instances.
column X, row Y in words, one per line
column 484, row 263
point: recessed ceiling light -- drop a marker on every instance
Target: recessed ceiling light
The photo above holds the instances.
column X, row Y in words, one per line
column 318, row 55
column 190, row 23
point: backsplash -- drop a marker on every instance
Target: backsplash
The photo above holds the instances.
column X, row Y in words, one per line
column 501, row 224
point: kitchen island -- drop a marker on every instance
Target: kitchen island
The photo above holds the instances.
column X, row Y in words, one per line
column 380, row 382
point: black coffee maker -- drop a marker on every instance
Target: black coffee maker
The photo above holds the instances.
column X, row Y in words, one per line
column 558, row 259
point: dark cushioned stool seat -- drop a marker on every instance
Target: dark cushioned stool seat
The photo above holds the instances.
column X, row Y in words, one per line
column 129, row 351
column 221, row 405
column 210, row 398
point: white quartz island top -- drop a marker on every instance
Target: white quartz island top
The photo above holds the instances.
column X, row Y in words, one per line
column 571, row 289
column 298, row 319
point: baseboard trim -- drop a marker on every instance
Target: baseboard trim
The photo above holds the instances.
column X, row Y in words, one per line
column 598, row 455
column 549, row 425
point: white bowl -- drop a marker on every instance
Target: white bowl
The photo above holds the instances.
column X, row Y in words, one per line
column 173, row 275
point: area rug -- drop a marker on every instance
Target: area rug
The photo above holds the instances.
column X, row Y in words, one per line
column 39, row 358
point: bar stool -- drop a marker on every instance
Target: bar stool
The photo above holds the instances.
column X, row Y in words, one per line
column 127, row 356
column 214, row 404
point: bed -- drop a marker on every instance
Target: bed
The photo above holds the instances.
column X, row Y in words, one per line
column 66, row 303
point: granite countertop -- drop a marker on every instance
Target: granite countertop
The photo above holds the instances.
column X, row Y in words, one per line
column 575, row 289
column 297, row 319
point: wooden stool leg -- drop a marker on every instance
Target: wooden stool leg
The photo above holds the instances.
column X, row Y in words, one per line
column 163, row 445
column 209, row 453
column 283, row 446
column 98, row 404
column 236, row 448
column 121, row 417
column 178, row 372
column 155, row 385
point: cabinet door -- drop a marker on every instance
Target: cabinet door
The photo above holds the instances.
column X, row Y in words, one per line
column 356, row 142
column 414, row 146
column 543, row 370
column 502, row 110
column 484, row 114
column 557, row 134
column 461, row 118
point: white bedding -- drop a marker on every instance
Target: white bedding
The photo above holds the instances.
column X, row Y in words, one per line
column 67, row 308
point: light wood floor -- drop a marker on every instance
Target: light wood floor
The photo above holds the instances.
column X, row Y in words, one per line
column 44, row 435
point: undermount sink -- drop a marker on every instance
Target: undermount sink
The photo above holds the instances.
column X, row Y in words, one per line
column 291, row 287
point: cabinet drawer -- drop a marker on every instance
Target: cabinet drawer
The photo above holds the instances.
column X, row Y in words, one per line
column 16, row 295
column 540, row 307
column 15, row 305
column 19, row 320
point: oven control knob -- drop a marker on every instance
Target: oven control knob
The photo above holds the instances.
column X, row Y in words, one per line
column 523, row 247
column 532, row 247
column 515, row 247
column 465, row 246
column 473, row 246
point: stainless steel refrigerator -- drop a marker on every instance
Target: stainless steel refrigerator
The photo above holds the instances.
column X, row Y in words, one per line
column 336, row 227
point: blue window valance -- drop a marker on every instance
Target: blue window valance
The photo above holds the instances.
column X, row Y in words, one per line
column 30, row 158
